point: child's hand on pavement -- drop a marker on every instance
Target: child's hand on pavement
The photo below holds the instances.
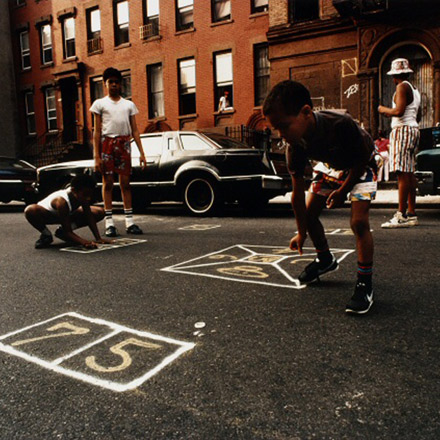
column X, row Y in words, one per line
column 90, row 245
column 105, row 241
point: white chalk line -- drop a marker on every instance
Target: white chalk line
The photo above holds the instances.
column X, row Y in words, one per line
column 114, row 386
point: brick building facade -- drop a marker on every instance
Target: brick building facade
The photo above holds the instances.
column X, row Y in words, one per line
column 342, row 49
column 177, row 58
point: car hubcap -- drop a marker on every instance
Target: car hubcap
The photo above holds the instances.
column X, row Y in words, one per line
column 199, row 196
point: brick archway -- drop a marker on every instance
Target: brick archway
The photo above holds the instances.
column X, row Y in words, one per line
column 257, row 121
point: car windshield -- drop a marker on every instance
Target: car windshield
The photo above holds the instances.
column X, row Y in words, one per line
column 225, row 141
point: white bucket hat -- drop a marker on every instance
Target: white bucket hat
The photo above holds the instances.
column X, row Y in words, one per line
column 398, row 66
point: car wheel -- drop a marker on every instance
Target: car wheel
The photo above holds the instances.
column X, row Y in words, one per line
column 201, row 196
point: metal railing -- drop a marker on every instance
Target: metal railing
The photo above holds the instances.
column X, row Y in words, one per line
column 149, row 30
column 94, row 45
column 250, row 136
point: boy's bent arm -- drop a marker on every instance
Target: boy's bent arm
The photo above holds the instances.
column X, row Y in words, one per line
column 137, row 139
column 300, row 211
column 97, row 133
column 91, row 222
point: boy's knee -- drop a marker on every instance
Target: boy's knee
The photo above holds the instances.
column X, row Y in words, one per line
column 360, row 226
column 30, row 210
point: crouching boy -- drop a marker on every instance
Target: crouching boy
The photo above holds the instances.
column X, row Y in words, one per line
column 344, row 151
column 70, row 208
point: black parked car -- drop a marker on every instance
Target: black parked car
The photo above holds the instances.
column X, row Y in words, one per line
column 428, row 164
column 202, row 170
column 16, row 179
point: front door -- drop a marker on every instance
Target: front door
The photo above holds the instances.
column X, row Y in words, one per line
column 69, row 97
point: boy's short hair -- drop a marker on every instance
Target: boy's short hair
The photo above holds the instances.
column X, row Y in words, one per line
column 289, row 96
column 83, row 181
column 112, row 72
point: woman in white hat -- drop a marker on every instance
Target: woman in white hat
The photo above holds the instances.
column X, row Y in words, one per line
column 404, row 139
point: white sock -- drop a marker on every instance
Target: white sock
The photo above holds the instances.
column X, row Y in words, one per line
column 128, row 217
column 109, row 218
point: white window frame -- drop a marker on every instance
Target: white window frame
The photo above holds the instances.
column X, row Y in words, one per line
column 51, row 108
column 46, row 46
column 25, row 53
column 184, row 7
column 69, row 38
column 30, row 114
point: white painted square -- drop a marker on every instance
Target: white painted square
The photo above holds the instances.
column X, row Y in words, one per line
column 121, row 242
column 269, row 265
column 198, row 227
column 117, row 358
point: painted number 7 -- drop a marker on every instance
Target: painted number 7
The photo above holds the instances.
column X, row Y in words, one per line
column 72, row 330
column 118, row 350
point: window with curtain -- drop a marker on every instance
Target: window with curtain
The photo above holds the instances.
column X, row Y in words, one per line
column 69, row 37
column 51, row 109
column 25, row 50
column 187, row 86
column 46, row 44
column 223, row 77
column 185, row 14
column 122, row 19
column 259, row 6
column 261, row 72
column 156, row 105
column 221, row 10
column 30, row 113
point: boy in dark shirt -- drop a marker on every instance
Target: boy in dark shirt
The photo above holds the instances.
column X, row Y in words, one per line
column 344, row 151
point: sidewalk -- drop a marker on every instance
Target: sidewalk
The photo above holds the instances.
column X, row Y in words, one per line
column 384, row 197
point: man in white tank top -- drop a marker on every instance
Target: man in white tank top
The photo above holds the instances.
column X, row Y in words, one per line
column 404, row 139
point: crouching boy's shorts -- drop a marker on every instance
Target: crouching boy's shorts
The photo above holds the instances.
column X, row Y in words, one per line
column 116, row 155
column 326, row 180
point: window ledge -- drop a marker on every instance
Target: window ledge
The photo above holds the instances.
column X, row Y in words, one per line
column 53, row 132
column 96, row 52
column 225, row 112
column 47, row 65
column 258, row 108
column 31, row 136
column 70, row 59
column 185, row 31
column 28, row 69
column 158, row 119
column 259, row 14
column 153, row 38
column 190, row 116
column 122, row 46
column 221, row 23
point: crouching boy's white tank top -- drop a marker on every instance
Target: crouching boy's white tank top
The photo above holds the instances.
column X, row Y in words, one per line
column 46, row 203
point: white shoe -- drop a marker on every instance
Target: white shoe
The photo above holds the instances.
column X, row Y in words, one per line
column 398, row 221
column 412, row 220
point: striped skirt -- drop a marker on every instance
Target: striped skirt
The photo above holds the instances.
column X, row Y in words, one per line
column 403, row 144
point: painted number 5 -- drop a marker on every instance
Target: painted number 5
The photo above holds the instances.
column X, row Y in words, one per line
column 118, row 350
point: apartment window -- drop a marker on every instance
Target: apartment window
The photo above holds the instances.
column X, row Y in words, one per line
column 302, row 10
column 96, row 88
column 187, row 86
column 69, row 37
column 126, row 85
column 261, row 72
column 25, row 50
column 221, row 10
column 94, row 42
column 19, row 2
column 151, row 19
column 122, row 20
column 46, row 44
column 30, row 113
column 51, row 109
column 259, row 6
column 223, row 78
column 156, row 105
column 185, row 14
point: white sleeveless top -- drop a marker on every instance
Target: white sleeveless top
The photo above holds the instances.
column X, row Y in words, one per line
column 409, row 118
column 46, row 203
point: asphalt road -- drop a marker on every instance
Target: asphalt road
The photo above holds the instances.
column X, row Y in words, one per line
column 201, row 332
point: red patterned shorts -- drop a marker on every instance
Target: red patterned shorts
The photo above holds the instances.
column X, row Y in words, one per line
column 116, row 155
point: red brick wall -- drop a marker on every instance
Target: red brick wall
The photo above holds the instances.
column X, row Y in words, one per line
column 239, row 35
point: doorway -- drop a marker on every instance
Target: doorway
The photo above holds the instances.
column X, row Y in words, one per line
column 69, row 97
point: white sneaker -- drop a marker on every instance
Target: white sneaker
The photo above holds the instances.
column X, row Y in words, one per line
column 398, row 221
column 412, row 220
